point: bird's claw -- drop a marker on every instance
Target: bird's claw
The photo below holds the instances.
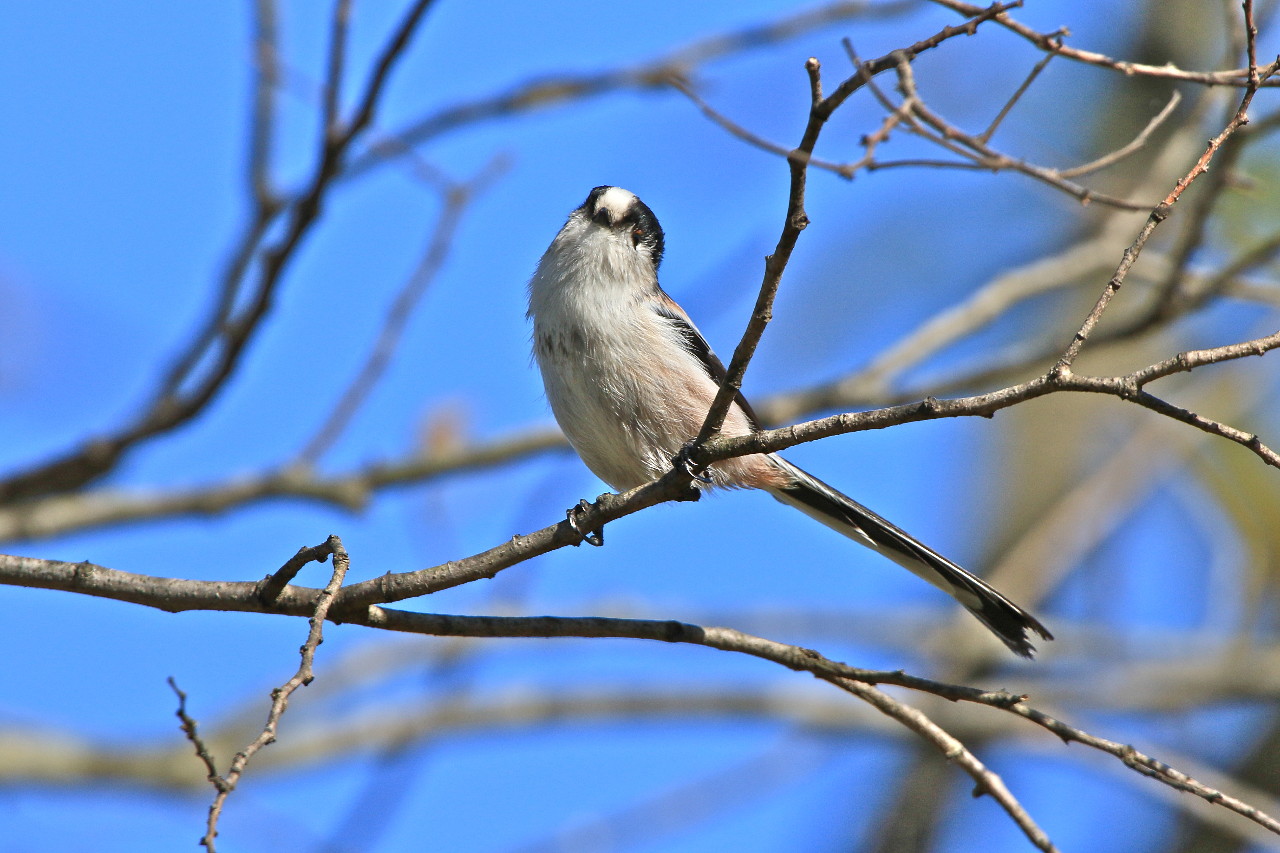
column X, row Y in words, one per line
column 684, row 461
column 591, row 537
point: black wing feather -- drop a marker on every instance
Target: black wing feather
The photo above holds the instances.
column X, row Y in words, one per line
column 696, row 345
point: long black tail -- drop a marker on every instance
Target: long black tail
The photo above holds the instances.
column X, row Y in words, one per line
column 841, row 513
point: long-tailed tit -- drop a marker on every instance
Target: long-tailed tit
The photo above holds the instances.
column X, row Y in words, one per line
column 630, row 380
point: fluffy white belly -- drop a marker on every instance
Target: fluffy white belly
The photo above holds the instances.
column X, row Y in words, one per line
column 627, row 413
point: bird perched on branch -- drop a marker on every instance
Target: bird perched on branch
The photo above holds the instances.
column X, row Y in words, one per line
column 630, row 380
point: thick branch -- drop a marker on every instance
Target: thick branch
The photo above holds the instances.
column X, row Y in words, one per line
column 172, row 595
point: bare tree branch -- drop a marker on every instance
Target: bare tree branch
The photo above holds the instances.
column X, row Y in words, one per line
column 351, row 490
column 956, row 752
column 54, row 515
column 1161, row 211
column 225, row 785
column 654, row 74
column 975, row 150
column 820, row 110
column 1135, row 144
column 169, row 594
column 216, row 351
column 1053, row 43
column 986, row 135
column 191, row 730
column 266, row 67
column 1127, row 387
column 457, row 197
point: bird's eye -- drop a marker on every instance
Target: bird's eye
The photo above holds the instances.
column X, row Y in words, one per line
column 637, row 235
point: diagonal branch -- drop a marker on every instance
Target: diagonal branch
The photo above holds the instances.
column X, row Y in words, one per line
column 978, row 153
column 352, row 490
column 214, row 354
column 796, row 220
column 1053, row 43
column 457, row 198
column 1162, row 210
column 262, row 123
column 955, row 751
column 655, row 74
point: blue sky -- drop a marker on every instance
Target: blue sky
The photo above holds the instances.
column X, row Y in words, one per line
column 123, row 189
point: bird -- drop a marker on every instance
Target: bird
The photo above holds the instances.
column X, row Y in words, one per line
column 630, row 379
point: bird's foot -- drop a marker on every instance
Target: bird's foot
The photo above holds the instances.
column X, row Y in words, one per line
column 684, row 461
column 591, row 537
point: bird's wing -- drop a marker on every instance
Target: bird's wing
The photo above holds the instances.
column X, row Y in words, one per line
column 696, row 345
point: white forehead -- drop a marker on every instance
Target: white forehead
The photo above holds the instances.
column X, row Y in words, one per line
column 617, row 201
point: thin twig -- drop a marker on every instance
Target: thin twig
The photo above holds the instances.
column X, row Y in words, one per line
column 270, row 587
column 1161, row 211
column 1148, row 766
column 266, row 67
column 754, row 139
column 391, row 54
column 1053, row 43
column 658, row 73
column 331, row 101
column 955, row 751
column 986, row 135
column 933, row 127
column 1175, row 97
column 796, row 219
column 191, row 730
column 280, row 696
column 457, row 198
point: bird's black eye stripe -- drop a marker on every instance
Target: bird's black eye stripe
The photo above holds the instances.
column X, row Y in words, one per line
column 646, row 230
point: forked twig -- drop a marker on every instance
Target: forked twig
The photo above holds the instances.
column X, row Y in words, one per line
column 224, row 785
